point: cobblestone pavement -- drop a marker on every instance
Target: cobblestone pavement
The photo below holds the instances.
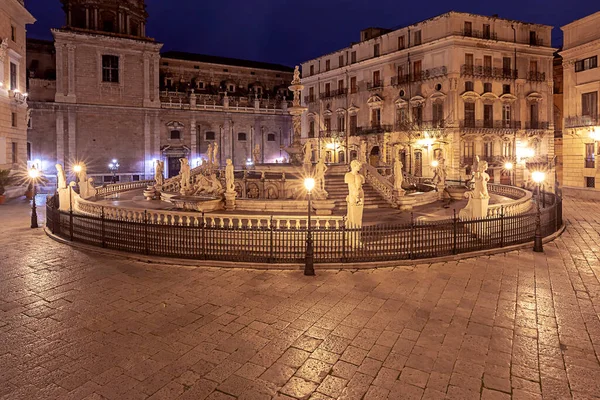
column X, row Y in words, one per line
column 77, row 325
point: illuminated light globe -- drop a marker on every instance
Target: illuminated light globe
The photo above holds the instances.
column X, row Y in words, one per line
column 435, row 164
column 77, row 168
column 508, row 166
column 538, row 177
column 309, row 184
column 33, row 173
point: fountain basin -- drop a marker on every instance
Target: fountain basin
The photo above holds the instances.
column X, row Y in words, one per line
column 197, row 203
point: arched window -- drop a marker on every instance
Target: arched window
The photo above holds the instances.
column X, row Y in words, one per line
column 271, row 137
column 241, row 136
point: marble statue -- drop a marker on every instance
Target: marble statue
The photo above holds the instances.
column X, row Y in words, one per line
column 209, row 154
column 82, row 175
column 256, row 154
column 307, row 152
column 229, row 177
column 362, row 157
column 440, row 173
column 398, row 177
column 356, row 195
column 184, row 173
column 86, row 185
column 320, row 170
column 62, row 177
column 296, row 75
column 216, row 159
column 481, row 178
column 159, row 173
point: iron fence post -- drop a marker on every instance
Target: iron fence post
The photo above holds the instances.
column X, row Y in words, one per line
column 344, row 239
column 271, row 240
column 203, row 236
column 146, row 249
column 501, row 226
column 455, row 233
column 103, row 228
column 411, row 254
column 71, row 224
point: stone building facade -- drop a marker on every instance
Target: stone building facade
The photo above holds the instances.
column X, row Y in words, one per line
column 455, row 86
column 13, row 93
column 112, row 95
column 581, row 86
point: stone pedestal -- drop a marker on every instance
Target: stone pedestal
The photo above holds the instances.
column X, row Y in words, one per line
column 230, row 200
column 354, row 216
column 406, row 203
column 63, row 199
column 479, row 207
column 323, row 207
column 87, row 189
column 150, row 193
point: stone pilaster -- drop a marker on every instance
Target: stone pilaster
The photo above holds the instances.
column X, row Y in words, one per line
column 60, row 138
column 71, row 73
column 72, row 131
column 148, row 156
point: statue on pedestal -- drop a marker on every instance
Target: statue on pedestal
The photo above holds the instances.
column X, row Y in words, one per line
column 481, row 178
column 356, row 195
column 216, row 159
column 362, row 157
column 320, row 170
column 229, row 177
column 256, row 154
column 398, row 177
column 307, row 152
column 440, row 173
column 479, row 197
column 86, row 185
column 209, row 154
column 61, row 176
column 184, row 173
column 159, row 173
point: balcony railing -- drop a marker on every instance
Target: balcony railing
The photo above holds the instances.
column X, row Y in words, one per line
column 374, row 85
column 420, row 75
column 331, row 133
column 582, row 121
column 488, row 72
column 373, row 129
column 416, row 125
column 310, row 99
column 480, row 34
column 490, row 124
column 536, row 41
column 536, row 76
column 590, row 163
column 541, row 125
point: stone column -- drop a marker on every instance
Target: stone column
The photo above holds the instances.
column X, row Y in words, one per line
column 72, row 129
column 148, row 156
column 193, row 137
column 60, row 73
column 60, row 138
column 147, row 82
column 71, row 70
column 157, row 136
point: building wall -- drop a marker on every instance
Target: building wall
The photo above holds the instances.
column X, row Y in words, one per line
column 442, row 55
column 581, row 128
column 13, row 133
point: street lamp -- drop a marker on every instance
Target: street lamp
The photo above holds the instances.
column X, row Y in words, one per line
column 77, row 170
column 309, row 268
column 114, row 167
column 508, row 166
column 34, row 174
column 538, row 177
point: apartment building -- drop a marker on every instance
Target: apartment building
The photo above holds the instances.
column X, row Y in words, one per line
column 581, row 85
column 13, row 97
column 455, row 86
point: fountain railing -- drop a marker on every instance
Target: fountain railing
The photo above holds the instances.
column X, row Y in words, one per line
column 122, row 187
column 180, row 218
column 383, row 186
column 521, row 204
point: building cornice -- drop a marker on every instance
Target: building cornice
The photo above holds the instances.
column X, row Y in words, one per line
column 18, row 11
column 570, row 52
column 94, row 39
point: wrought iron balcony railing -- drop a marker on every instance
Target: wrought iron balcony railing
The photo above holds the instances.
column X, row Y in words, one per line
column 374, row 85
column 373, row 129
column 331, row 133
column 419, row 125
column 479, row 34
column 490, row 124
column 582, row 121
column 488, row 72
column 536, row 41
column 310, row 99
column 420, row 76
column 590, row 163
column 536, row 76
column 535, row 125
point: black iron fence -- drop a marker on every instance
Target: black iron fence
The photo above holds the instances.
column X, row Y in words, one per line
column 414, row 240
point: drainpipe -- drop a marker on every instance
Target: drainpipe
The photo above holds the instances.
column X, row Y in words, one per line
column 515, row 67
column 410, row 149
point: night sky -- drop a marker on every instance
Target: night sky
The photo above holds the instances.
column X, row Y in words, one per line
column 286, row 32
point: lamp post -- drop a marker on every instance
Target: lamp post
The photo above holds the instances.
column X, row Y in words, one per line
column 508, row 166
column 77, row 170
column 34, row 174
column 309, row 268
column 114, row 167
column 538, row 177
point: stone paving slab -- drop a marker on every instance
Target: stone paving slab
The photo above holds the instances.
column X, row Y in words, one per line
column 521, row 325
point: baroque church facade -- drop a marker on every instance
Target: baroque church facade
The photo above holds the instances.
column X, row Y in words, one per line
column 102, row 91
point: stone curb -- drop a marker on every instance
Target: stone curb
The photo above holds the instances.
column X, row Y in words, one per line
column 279, row 266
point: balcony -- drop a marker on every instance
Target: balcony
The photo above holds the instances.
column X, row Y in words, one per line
column 488, row 72
column 536, row 41
column 467, row 160
column 480, row 34
column 582, row 121
column 590, row 163
column 310, row 99
column 419, row 126
column 373, row 129
column 537, row 125
column 420, row 76
column 331, row 133
column 490, row 124
column 536, row 76
column 375, row 85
